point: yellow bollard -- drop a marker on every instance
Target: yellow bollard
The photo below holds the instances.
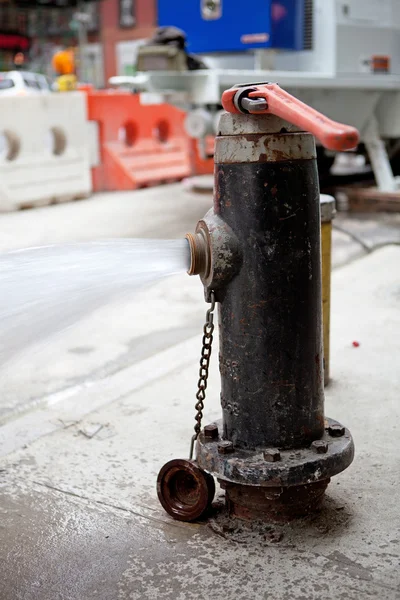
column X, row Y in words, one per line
column 327, row 215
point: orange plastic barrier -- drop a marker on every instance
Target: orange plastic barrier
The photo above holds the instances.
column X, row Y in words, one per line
column 202, row 166
column 140, row 145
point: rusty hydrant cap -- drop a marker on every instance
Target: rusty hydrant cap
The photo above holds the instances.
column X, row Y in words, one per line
column 185, row 490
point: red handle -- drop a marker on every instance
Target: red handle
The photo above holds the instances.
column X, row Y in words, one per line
column 332, row 135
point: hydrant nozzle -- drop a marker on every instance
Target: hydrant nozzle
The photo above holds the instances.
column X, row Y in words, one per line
column 199, row 253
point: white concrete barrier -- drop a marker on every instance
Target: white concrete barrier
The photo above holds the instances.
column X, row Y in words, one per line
column 44, row 150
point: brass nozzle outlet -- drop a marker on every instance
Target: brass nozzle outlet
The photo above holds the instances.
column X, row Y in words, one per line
column 199, row 253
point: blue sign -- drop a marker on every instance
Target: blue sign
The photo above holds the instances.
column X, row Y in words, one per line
column 235, row 25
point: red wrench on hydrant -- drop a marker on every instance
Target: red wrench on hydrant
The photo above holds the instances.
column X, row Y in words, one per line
column 269, row 98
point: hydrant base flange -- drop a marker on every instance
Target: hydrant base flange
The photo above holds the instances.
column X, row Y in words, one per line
column 273, row 504
column 320, row 461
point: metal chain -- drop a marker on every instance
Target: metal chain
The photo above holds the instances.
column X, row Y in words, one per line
column 208, row 330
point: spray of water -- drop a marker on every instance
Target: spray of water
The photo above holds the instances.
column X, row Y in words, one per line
column 47, row 289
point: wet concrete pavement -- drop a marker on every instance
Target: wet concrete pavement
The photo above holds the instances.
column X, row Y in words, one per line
column 88, row 550
column 84, row 435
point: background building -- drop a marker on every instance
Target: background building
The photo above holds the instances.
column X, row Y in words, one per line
column 124, row 24
column 114, row 29
column 13, row 33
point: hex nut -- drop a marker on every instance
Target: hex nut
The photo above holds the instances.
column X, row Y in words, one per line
column 211, row 432
column 320, row 446
column 336, row 430
column 272, row 455
column 225, row 447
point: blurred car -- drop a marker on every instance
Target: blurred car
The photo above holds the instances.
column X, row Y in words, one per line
column 23, row 83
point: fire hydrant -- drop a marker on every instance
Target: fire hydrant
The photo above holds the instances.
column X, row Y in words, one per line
column 258, row 255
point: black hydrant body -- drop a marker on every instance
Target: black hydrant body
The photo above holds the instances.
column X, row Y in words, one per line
column 271, row 358
column 258, row 254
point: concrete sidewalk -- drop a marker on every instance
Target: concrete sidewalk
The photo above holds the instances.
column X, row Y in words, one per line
column 84, row 434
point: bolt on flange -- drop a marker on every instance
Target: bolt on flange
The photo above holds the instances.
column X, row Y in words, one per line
column 272, row 455
column 211, row 432
column 225, row 447
column 336, row 430
column 320, row 446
